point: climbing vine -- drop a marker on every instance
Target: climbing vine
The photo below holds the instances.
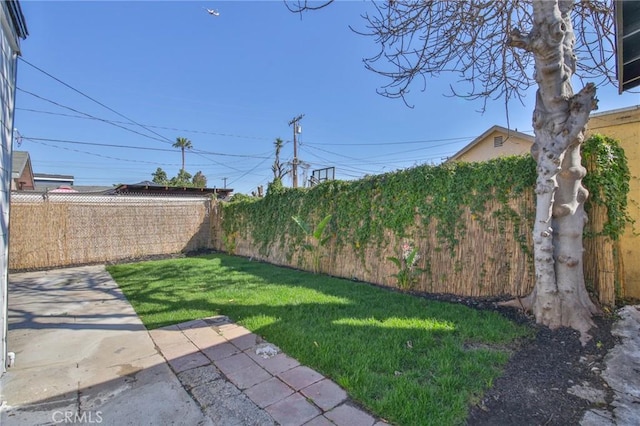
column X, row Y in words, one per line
column 364, row 209
column 607, row 181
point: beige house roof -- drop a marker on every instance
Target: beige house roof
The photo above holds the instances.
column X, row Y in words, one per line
column 497, row 141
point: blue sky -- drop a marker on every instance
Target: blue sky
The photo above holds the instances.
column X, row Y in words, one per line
column 230, row 84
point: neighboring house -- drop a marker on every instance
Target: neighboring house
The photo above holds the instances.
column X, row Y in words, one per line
column 25, row 180
column 14, row 28
column 498, row 141
column 152, row 188
column 45, row 182
column 620, row 124
column 22, row 178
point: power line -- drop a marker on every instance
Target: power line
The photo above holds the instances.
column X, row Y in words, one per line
column 139, row 147
column 102, row 156
column 163, row 138
column 343, row 168
column 461, row 138
column 92, row 99
column 96, row 144
column 146, row 125
column 88, row 115
column 139, row 161
column 390, row 164
column 197, row 152
column 257, row 165
column 313, row 146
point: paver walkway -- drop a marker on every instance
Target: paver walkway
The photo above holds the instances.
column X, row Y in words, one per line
column 238, row 379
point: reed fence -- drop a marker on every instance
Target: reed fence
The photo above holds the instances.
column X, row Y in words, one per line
column 493, row 257
column 56, row 230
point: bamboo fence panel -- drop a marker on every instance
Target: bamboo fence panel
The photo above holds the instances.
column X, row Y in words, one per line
column 602, row 267
column 73, row 230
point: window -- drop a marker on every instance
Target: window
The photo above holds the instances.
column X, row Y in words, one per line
column 497, row 141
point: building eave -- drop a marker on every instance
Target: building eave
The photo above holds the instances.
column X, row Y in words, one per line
column 17, row 18
column 492, row 129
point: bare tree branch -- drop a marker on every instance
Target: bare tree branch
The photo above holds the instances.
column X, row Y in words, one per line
column 299, row 6
column 484, row 42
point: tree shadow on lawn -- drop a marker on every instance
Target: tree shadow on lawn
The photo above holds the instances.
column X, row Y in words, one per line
column 325, row 299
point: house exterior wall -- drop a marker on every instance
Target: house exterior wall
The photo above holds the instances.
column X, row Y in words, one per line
column 9, row 50
column 25, row 181
column 485, row 149
column 624, row 126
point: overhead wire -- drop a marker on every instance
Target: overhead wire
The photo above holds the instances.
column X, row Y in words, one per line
column 86, row 114
column 139, row 147
column 230, row 135
column 343, row 167
column 101, row 155
column 163, row 139
column 117, row 124
column 226, row 165
column 91, row 99
column 461, row 138
column 248, row 172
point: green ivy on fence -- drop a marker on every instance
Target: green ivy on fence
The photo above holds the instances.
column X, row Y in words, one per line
column 362, row 210
column 608, row 182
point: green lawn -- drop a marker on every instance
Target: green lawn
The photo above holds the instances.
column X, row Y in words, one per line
column 406, row 359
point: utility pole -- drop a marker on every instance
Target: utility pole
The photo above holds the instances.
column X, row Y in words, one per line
column 225, row 182
column 296, row 129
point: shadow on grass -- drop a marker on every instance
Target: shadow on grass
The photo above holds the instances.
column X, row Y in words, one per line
column 242, row 289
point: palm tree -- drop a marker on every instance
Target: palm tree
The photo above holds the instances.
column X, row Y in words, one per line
column 182, row 143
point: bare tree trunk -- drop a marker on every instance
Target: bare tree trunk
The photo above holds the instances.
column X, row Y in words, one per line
column 559, row 297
